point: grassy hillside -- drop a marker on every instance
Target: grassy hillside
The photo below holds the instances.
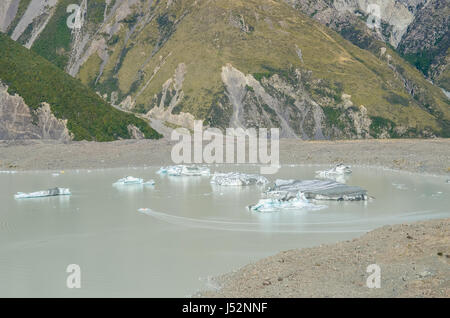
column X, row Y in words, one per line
column 147, row 55
column 206, row 36
column 36, row 80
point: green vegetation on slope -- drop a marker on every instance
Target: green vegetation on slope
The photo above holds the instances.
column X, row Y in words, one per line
column 208, row 38
column 37, row 80
column 258, row 37
column 54, row 41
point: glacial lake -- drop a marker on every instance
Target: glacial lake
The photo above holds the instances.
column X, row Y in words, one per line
column 197, row 230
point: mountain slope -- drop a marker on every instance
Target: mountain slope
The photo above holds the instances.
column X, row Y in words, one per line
column 249, row 64
column 44, row 91
column 417, row 29
column 426, row 44
column 257, row 62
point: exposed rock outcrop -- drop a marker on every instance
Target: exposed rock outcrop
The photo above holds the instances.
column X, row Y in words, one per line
column 427, row 41
column 286, row 103
column 165, row 104
column 18, row 121
column 135, row 133
column 37, row 13
column 396, row 14
column 8, row 10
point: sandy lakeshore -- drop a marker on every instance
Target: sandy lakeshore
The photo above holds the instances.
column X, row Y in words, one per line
column 414, row 258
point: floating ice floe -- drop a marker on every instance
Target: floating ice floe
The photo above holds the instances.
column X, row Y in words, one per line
column 316, row 189
column 182, row 170
column 132, row 180
column 285, row 203
column 337, row 173
column 45, row 193
column 238, row 179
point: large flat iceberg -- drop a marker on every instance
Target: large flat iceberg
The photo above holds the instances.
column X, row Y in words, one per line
column 238, row 179
column 182, row 170
column 44, row 193
column 316, row 189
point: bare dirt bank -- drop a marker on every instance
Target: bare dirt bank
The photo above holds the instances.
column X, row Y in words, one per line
column 427, row 156
column 414, row 260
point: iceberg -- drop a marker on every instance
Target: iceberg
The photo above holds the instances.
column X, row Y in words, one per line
column 170, row 170
column 182, row 170
column 132, row 180
column 317, row 190
column 337, row 173
column 129, row 180
column 45, row 193
column 238, row 179
column 285, row 203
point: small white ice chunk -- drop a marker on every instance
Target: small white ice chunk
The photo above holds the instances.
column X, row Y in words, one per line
column 129, row 180
column 339, row 169
column 144, row 210
column 238, row 179
column 41, row 194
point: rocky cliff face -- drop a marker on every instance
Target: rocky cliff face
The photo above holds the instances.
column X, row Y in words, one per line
column 8, row 10
column 427, row 40
column 395, row 15
column 18, row 121
column 419, row 29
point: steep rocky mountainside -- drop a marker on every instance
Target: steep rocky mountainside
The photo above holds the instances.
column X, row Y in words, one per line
column 40, row 101
column 427, row 42
column 418, row 29
column 243, row 63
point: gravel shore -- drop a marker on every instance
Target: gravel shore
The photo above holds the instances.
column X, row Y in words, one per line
column 424, row 156
column 414, row 260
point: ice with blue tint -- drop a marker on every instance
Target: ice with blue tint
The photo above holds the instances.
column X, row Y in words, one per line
column 129, row 180
column 45, row 193
column 238, row 179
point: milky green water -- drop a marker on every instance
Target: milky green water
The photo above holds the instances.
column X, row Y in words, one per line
column 196, row 229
